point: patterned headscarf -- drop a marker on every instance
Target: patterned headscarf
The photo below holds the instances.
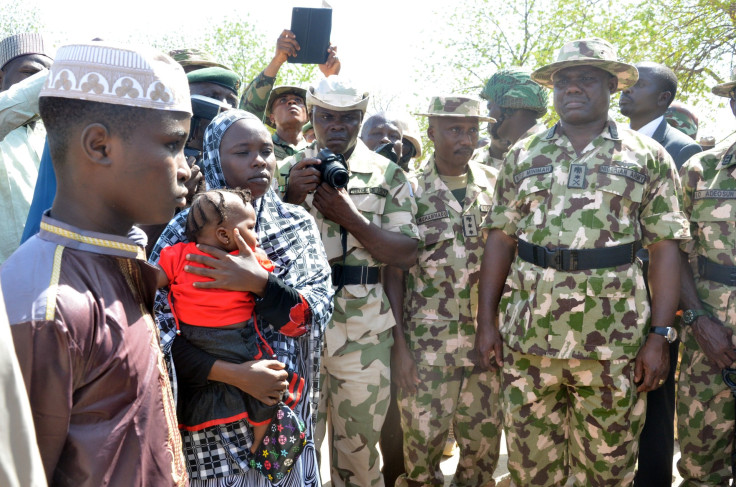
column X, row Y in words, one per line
column 211, row 166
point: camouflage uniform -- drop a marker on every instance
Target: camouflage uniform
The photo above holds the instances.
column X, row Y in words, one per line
column 256, row 94
column 441, row 300
column 705, row 406
column 355, row 366
column 483, row 156
column 683, row 119
column 571, row 336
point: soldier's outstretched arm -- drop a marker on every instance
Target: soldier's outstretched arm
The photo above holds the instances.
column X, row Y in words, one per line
column 713, row 338
column 497, row 258
column 652, row 361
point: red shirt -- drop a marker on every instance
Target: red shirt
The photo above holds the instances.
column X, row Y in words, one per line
column 204, row 307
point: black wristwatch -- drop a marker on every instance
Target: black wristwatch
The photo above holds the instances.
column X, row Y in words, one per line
column 666, row 331
column 690, row 315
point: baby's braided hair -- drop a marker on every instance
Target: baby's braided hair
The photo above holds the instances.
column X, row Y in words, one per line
column 211, row 207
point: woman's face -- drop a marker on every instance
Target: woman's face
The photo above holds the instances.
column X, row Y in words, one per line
column 246, row 156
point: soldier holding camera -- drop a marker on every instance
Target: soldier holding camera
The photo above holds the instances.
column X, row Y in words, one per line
column 366, row 225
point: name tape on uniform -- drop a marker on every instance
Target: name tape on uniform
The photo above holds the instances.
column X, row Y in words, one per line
column 437, row 215
column 534, row 171
column 377, row 190
column 714, row 194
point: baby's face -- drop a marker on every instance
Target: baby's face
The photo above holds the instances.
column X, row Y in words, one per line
column 243, row 217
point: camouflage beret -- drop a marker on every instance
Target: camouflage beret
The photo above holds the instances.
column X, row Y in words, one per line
column 595, row 52
column 456, row 106
column 220, row 76
column 514, row 88
column 726, row 89
column 194, row 57
column 683, row 119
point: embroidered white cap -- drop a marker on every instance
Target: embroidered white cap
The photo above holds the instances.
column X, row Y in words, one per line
column 120, row 75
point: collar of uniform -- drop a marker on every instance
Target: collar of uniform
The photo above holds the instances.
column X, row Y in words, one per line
column 610, row 131
column 476, row 176
column 98, row 243
column 728, row 159
column 279, row 141
column 362, row 159
column 537, row 128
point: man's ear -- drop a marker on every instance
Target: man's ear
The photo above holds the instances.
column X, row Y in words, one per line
column 664, row 98
column 96, row 143
column 613, row 84
column 430, row 132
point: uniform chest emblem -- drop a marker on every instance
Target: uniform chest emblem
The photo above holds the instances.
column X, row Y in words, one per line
column 470, row 226
column 577, row 176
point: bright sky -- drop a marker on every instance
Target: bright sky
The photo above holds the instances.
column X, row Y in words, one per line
column 379, row 41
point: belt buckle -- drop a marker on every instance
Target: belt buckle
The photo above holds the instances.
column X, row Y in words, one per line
column 732, row 279
column 553, row 258
column 562, row 259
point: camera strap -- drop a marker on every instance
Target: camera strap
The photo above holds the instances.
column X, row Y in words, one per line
column 344, row 242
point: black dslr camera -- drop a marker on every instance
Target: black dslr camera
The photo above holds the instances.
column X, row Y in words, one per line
column 333, row 169
column 204, row 109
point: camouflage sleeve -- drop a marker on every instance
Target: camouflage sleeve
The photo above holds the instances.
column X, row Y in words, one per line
column 660, row 214
column 282, row 171
column 504, row 213
column 401, row 208
column 256, row 95
column 690, row 173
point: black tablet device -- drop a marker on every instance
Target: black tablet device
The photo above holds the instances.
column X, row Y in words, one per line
column 311, row 27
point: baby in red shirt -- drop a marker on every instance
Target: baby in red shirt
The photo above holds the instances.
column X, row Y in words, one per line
column 218, row 321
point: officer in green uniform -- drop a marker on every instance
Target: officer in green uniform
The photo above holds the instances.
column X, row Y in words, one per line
column 516, row 102
column 705, row 404
column 365, row 226
column 576, row 337
column 439, row 384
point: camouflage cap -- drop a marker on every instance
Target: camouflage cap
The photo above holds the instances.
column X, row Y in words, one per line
column 337, row 93
column 277, row 92
column 456, row 106
column 683, row 118
column 594, row 52
column 514, row 88
column 194, row 57
column 726, row 89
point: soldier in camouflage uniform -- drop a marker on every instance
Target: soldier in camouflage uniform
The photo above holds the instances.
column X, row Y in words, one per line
column 365, row 226
column 578, row 331
column 705, row 405
column 194, row 59
column 286, row 112
column 516, row 102
column 438, row 382
column 256, row 95
column 683, row 118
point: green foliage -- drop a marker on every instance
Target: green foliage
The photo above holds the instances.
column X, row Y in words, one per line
column 18, row 17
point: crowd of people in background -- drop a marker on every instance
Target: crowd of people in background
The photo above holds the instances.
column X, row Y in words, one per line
column 213, row 283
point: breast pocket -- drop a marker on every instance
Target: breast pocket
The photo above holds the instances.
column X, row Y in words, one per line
column 370, row 206
column 434, row 292
column 620, row 199
column 533, row 195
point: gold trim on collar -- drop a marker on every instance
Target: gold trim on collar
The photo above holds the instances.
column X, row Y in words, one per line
column 139, row 252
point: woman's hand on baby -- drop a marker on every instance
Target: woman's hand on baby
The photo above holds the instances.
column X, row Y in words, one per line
column 265, row 380
column 240, row 272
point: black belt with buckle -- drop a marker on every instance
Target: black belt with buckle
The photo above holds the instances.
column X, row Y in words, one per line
column 346, row 275
column 725, row 274
column 578, row 259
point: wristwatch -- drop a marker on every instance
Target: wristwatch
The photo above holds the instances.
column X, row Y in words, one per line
column 690, row 315
column 666, row 331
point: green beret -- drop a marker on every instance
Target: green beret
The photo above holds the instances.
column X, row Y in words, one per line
column 219, row 76
column 514, row 88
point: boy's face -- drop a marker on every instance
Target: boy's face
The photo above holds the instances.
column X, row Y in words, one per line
column 149, row 169
column 243, row 217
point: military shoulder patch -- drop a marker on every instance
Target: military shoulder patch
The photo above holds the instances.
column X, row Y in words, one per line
column 533, row 171
column 437, row 215
column 376, row 190
column 625, row 172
